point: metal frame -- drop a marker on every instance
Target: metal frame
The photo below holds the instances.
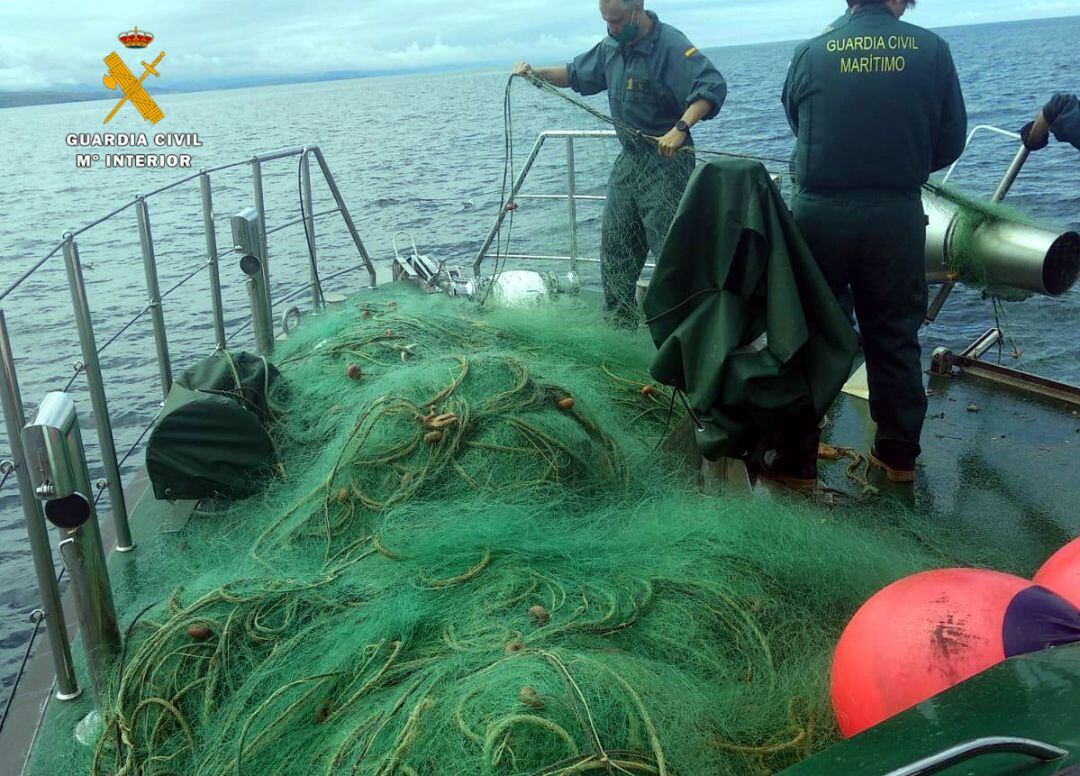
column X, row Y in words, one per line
column 571, row 196
column 66, row 683
column 971, row 135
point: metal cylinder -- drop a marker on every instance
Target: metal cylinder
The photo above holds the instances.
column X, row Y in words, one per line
column 212, row 261
column 67, row 686
column 56, row 462
column 1018, row 255
column 99, row 404
column 1028, row 257
column 153, row 291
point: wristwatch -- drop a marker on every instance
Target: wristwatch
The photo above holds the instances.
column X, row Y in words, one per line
column 682, row 126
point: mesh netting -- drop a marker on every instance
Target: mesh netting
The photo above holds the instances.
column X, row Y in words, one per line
column 643, row 190
column 475, row 559
column 965, row 262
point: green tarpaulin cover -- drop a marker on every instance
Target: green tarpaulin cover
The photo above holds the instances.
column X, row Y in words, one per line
column 212, row 435
column 743, row 319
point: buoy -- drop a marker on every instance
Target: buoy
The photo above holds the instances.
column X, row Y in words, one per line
column 565, row 404
column 928, row 632
column 539, row 615
column 1061, row 573
column 354, row 372
column 199, row 632
column 531, row 698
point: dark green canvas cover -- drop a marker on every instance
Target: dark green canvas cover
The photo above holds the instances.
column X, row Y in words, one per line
column 211, row 437
column 742, row 317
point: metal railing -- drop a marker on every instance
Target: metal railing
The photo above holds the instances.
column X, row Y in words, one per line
column 90, row 366
column 977, row 129
column 571, row 197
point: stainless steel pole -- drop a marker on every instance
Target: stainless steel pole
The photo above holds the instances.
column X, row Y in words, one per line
column 507, row 206
column 212, row 260
column 309, row 219
column 261, row 321
column 572, row 207
column 153, row 289
column 98, row 402
column 260, row 208
column 1038, row 133
column 67, row 686
column 1010, row 174
column 329, row 177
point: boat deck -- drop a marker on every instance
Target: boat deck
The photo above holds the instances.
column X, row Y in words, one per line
column 996, row 462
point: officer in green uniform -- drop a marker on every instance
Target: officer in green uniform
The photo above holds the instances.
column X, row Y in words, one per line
column 876, row 107
column 659, row 84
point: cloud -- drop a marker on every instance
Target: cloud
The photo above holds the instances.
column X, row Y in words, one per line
column 208, row 39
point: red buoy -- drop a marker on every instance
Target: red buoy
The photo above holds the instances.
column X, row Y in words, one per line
column 928, row 632
column 1061, row 573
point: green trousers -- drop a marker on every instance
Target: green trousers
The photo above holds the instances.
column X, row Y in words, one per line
column 873, row 243
column 643, row 194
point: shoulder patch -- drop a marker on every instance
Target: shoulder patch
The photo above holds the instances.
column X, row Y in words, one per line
column 690, row 52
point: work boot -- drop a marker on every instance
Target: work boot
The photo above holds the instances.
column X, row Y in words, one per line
column 901, row 474
column 800, row 475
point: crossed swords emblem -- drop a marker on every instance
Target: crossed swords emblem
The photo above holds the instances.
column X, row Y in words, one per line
column 120, row 77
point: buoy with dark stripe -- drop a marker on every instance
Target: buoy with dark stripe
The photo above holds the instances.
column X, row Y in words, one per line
column 1061, row 573
column 928, row 632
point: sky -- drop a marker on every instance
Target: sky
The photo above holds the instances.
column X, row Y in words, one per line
column 212, row 39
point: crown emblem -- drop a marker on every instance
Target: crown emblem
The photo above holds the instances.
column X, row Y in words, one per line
column 136, row 38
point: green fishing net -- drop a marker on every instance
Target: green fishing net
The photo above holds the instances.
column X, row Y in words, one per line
column 476, row 558
column 963, row 260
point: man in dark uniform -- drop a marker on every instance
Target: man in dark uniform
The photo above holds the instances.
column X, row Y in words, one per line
column 876, row 107
column 1061, row 115
column 659, row 84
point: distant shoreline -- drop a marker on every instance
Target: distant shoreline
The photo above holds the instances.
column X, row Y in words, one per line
column 26, row 98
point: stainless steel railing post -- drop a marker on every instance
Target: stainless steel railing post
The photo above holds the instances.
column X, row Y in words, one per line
column 67, row 686
column 260, row 208
column 309, row 234
column 507, row 206
column 344, row 210
column 212, row 260
column 56, row 463
column 572, row 201
column 153, row 289
column 98, row 402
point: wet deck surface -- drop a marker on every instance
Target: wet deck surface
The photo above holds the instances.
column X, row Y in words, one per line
column 995, row 462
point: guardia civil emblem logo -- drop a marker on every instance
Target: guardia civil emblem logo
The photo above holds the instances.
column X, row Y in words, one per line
column 121, row 78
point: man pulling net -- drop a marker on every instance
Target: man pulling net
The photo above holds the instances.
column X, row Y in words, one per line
column 660, row 84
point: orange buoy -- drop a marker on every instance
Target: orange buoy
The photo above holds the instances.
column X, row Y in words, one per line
column 928, row 632
column 1061, row 573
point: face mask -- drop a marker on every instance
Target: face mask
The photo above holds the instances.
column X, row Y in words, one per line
column 628, row 32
